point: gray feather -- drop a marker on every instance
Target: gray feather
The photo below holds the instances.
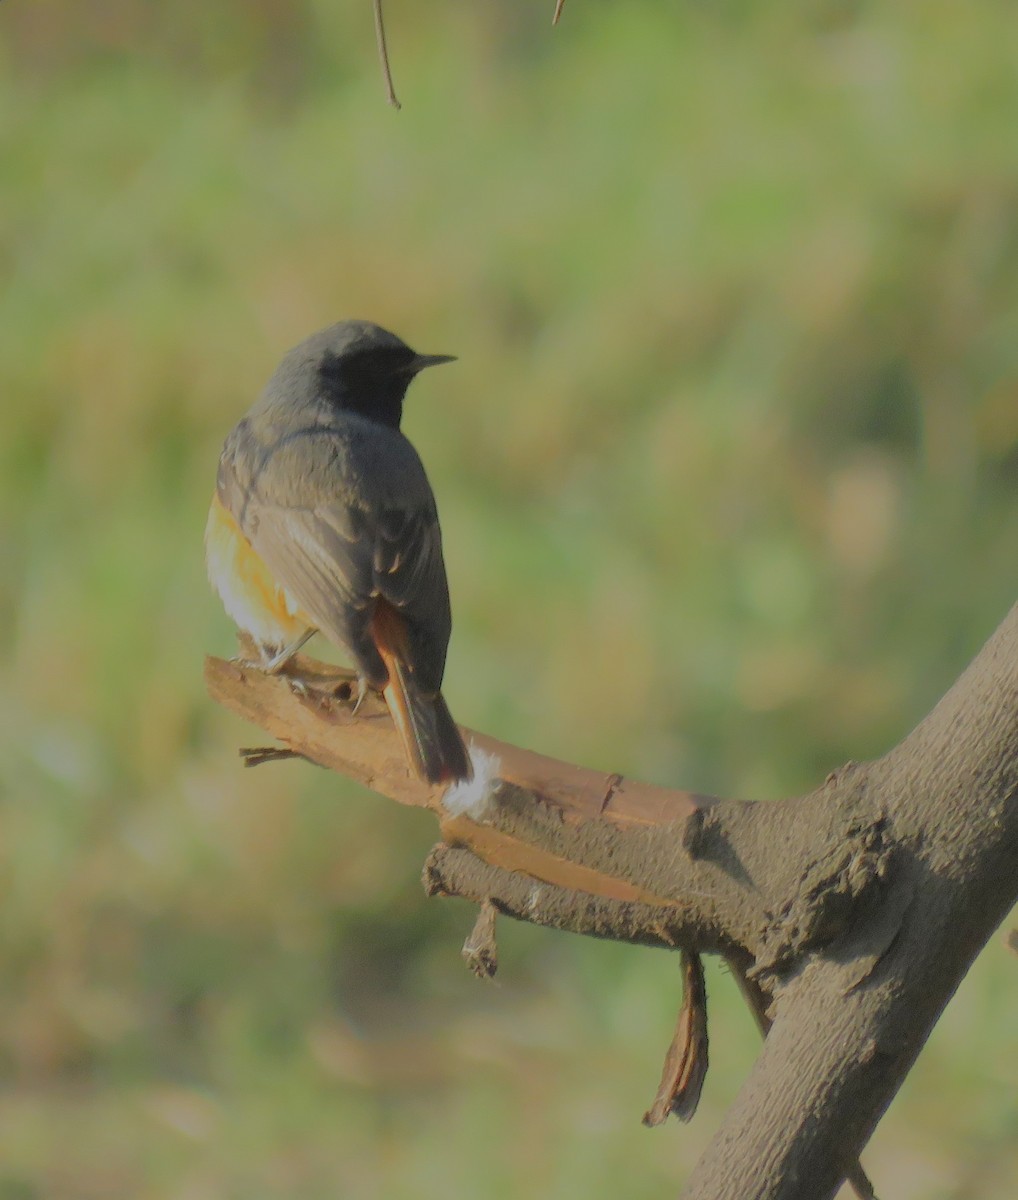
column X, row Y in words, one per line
column 341, row 510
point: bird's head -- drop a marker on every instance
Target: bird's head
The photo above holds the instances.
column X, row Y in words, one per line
column 360, row 367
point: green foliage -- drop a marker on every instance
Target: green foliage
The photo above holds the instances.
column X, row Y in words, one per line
column 727, row 475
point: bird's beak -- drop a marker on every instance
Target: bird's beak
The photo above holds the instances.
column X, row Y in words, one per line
column 420, row 361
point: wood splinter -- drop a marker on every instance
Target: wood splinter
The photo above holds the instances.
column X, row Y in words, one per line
column 254, row 756
column 685, row 1066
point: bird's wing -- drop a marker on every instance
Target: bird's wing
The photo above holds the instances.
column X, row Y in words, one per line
column 341, row 520
column 409, row 573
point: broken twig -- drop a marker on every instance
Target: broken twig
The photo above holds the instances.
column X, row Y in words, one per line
column 480, row 950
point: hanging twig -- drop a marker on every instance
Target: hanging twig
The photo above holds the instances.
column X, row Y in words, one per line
column 558, row 11
column 383, row 56
column 480, row 950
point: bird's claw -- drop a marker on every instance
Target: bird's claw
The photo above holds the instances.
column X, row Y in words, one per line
column 362, row 691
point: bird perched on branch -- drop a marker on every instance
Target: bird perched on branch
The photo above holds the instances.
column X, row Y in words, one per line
column 323, row 519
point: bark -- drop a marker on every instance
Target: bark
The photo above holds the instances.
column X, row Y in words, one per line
column 851, row 914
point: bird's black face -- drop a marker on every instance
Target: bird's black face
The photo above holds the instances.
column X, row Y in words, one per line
column 370, row 376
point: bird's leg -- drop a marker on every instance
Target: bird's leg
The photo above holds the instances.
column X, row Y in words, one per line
column 263, row 656
column 275, row 664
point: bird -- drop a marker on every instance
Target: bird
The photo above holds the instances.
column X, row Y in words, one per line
column 323, row 519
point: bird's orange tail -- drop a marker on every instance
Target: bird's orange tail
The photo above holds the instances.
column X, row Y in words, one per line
column 432, row 742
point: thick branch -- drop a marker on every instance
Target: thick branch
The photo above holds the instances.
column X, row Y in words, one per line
column 852, row 1019
column 853, row 912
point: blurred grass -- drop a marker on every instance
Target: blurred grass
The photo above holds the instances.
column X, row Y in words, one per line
column 727, row 473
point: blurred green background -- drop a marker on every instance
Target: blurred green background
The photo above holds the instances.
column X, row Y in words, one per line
column 727, row 475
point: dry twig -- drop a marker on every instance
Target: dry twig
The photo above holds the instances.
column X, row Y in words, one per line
column 383, row 56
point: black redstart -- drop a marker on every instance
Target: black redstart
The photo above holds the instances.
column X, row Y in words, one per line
column 323, row 519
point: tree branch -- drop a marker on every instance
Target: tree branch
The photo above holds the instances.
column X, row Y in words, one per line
column 850, row 914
